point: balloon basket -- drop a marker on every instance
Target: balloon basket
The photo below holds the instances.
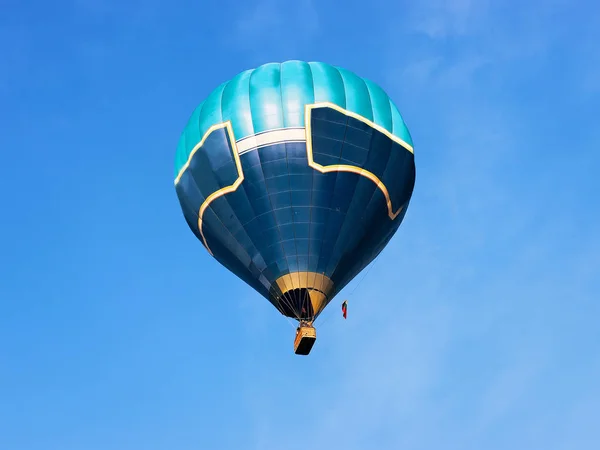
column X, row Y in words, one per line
column 306, row 335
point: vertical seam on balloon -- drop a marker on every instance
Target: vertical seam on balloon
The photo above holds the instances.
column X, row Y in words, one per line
column 249, row 110
column 281, row 240
column 323, row 71
column 389, row 104
column 283, row 108
column 333, row 262
column 183, row 136
column 245, row 193
column 339, row 72
column 371, row 102
column 330, row 211
column 312, row 188
column 364, row 83
column 303, row 301
column 262, row 171
column 392, row 115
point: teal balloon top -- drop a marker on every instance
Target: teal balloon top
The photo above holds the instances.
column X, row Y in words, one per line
column 273, row 96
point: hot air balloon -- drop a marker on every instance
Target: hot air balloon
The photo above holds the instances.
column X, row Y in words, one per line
column 295, row 176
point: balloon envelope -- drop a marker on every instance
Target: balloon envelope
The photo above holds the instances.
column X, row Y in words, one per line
column 295, row 176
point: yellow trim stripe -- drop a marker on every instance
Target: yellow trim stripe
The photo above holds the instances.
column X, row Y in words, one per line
column 308, row 109
column 223, row 191
column 347, row 168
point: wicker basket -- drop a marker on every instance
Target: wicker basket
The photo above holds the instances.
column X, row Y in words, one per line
column 305, row 339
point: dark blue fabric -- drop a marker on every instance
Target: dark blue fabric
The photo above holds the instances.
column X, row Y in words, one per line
column 286, row 216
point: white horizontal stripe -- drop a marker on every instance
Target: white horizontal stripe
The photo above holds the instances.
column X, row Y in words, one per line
column 271, row 137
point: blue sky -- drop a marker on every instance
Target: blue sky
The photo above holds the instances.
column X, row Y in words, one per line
column 477, row 328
